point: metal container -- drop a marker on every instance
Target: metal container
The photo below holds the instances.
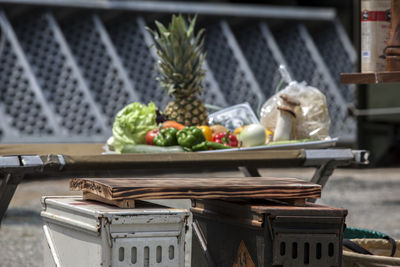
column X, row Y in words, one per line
column 243, row 234
column 375, row 33
column 87, row 233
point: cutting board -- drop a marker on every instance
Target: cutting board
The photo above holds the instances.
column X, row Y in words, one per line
column 121, row 191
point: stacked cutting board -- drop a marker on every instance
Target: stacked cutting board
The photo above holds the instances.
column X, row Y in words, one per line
column 123, row 192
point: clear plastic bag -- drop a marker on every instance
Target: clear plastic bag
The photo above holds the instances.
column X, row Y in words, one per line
column 312, row 116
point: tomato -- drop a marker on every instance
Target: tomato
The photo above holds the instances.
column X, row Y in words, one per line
column 150, row 136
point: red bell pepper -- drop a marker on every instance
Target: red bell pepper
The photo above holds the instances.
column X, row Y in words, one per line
column 227, row 139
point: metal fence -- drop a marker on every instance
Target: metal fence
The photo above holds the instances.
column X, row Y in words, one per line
column 67, row 67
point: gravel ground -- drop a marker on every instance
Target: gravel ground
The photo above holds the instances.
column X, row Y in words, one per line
column 372, row 197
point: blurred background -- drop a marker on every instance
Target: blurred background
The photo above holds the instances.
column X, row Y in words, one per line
column 67, row 67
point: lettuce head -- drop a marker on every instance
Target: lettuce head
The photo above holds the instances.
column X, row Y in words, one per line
column 132, row 123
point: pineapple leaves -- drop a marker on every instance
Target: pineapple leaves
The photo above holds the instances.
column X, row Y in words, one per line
column 190, row 31
column 181, row 59
column 163, row 31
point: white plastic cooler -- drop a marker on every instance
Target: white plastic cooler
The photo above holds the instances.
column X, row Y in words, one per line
column 87, row 233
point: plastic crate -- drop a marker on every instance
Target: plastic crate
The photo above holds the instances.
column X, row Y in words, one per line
column 87, row 233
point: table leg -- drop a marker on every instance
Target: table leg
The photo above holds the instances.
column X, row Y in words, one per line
column 8, row 185
column 250, row 171
column 322, row 175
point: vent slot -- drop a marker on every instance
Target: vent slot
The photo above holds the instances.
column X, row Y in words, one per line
column 146, row 258
column 121, row 254
column 294, row 250
column 151, row 251
column 133, row 255
column 283, row 249
column 158, row 254
column 171, row 252
column 318, row 252
column 306, row 253
column 305, row 250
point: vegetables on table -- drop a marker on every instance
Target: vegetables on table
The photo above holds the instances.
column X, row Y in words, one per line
column 172, row 124
column 166, row 137
column 129, row 148
column 217, row 128
column 206, row 145
column 252, row 135
column 150, row 136
column 226, row 138
column 132, row 123
column 190, row 136
column 206, row 131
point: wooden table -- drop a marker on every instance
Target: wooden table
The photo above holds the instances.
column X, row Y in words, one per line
column 370, row 78
column 49, row 161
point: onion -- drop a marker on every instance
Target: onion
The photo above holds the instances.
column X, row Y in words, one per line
column 252, row 135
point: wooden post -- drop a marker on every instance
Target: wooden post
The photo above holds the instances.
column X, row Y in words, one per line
column 393, row 45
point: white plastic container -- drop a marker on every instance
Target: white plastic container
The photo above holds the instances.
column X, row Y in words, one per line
column 234, row 116
column 87, row 233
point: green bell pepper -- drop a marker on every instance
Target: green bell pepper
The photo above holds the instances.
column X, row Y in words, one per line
column 209, row 145
column 166, row 137
column 190, row 136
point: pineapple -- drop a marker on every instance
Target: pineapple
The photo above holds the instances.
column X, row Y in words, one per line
column 180, row 63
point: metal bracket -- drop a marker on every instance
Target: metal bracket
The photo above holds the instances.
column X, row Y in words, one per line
column 51, row 245
column 268, row 220
column 106, row 226
column 9, row 162
column 361, row 156
column 31, row 161
column 203, row 243
column 343, row 157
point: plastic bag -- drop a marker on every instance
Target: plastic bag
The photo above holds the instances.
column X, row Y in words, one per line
column 312, row 116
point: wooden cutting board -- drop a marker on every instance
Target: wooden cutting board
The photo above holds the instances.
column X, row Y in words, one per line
column 119, row 191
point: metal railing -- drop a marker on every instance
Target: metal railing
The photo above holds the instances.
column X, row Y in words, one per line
column 67, row 67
